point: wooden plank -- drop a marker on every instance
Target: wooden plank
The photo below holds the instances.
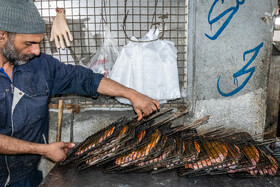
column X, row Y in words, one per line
column 59, row 120
column 273, row 97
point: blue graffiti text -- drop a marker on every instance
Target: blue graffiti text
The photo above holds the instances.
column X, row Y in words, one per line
column 242, row 71
column 231, row 10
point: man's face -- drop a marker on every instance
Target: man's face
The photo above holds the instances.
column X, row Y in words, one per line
column 20, row 48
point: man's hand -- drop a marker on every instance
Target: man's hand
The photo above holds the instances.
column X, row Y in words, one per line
column 57, row 151
column 143, row 105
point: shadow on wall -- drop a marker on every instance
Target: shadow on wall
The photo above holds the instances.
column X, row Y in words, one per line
column 276, row 52
column 278, row 127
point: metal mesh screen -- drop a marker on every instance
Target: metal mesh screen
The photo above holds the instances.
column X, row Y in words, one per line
column 85, row 23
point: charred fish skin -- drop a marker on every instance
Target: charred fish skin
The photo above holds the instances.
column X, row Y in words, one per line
column 94, row 141
column 191, row 150
column 267, row 165
column 139, row 153
column 155, row 146
column 252, row 154
column 215, row 152
column 112, row 144
column 92, row 144
column 107, row 151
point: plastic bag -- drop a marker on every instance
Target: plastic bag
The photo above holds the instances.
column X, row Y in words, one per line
column 150, row 68
column 104, row 59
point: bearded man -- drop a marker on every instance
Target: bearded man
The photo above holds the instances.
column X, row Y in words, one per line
column 27, row 79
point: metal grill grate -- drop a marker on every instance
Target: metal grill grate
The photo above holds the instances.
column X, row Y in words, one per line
column 85, row 23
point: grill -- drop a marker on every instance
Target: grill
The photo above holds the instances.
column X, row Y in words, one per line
column 155, row 145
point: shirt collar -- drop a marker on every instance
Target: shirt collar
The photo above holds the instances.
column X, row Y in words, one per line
column 26, row 67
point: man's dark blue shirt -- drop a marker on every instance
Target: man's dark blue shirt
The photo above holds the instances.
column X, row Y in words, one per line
column 24, row 105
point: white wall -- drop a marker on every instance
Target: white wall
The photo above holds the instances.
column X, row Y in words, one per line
column 239, row 43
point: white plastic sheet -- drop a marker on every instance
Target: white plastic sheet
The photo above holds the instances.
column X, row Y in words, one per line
column 150, row 68
column 104, row 59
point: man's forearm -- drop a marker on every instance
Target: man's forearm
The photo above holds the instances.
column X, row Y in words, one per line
column 10, row 145
column 112, row 88
column 142, row 104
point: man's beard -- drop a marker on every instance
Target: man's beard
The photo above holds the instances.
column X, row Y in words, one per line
column 11, row 54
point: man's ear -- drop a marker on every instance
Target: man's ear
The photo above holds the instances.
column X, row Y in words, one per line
column 3, row 35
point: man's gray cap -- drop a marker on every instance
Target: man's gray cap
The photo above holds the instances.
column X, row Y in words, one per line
column 20, row 16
